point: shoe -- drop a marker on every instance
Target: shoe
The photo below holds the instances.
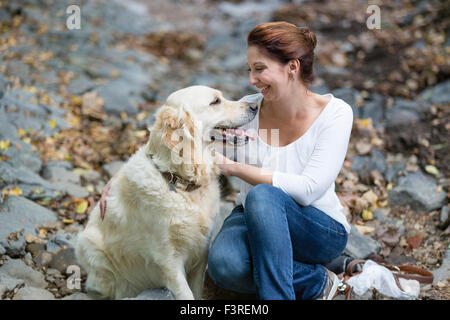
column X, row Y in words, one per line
column 332, row 286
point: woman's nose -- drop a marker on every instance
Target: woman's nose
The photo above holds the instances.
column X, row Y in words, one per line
column 252, row 79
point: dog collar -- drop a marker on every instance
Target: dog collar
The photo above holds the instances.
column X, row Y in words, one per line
column 172, row 179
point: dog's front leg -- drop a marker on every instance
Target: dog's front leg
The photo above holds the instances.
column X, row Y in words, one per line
column 196, row 277
column 177, row 283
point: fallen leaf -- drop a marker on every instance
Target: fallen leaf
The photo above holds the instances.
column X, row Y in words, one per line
column 364, row 229
column 432, row 170
column 367, row 215
column 371, row 198
column 363, row 147
column 52, row 123
column 415, row 241
column 13, row 192
column 82, row 206
column 4, row 145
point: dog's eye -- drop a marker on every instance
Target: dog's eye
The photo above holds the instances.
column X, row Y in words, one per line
column 216, row 101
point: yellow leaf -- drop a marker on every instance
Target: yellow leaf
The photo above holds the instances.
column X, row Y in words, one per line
column 367, row 215
column 432, row 170
column 21, row 132
column 13, row 192
column 389, row 186
column 364, row 229
column 52, row 123
column 82, row 206
column 76, row 100
column 4, row 145
column 68, row 221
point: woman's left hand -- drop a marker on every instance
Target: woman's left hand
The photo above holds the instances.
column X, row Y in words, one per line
column 225, row 165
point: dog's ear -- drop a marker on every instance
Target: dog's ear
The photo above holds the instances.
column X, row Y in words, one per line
column 168, row 120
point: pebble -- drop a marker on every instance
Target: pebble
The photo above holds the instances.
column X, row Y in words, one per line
column 63, row 259
column 16, row 268
column 31, row 293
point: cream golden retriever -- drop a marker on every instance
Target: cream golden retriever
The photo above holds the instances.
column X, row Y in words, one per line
column 162, row 203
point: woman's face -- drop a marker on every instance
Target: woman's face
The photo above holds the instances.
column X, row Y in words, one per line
column 267, row 74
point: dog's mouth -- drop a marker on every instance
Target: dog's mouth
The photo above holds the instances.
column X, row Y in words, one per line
column 232, row 136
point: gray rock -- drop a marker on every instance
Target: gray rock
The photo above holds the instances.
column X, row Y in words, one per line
column 112, row 167
column 27, row 180
column 444, row 214
column 418, row 191
column 72, row 189
column 58, row 241
column 322, row 89
column 349, row 95
column 17, row 213
column 360, row 246
column 91, row 176
column 396, row 117
column 77, row 296
column 443, row 272
column 8, row 283
column 440, row 93
column 120, row 96
column 374, row 109
column 56, row 173
column 364, row 164
column 394, row 170
column 63, row 259
column 380, row 215
column 404, row 112
column 154, row 294
column 7, row 130
column 31, row 293
column 16, row 268
column 43, row 259
column 3, row 84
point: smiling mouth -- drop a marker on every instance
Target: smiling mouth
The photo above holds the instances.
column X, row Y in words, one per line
column 264, row 89
column 231, row 136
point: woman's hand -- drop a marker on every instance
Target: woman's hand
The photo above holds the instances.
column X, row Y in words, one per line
column 105, row 191
column 225, row 165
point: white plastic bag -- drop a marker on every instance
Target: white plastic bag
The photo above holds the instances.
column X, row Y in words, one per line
column 380, row 278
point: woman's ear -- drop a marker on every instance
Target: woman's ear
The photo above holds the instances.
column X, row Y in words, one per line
column 294, row 67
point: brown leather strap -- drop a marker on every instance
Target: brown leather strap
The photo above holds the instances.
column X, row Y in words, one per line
column 412, row 272
column 172, row 179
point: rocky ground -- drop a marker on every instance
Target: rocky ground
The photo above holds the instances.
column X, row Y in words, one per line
column 75, row 104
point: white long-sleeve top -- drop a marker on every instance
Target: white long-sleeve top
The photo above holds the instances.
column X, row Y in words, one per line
column 306, row 169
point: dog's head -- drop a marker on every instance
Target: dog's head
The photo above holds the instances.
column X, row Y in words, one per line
column 198, row 114
column 187, row 124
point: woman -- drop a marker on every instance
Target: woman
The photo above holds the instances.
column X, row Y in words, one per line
column 289, row 221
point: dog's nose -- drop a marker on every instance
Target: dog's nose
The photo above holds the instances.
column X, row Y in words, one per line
column 253, row 106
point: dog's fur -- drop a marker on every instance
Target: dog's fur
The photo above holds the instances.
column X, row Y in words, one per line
column 151, row 235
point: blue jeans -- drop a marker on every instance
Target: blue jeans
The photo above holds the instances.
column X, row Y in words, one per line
column 276, row 247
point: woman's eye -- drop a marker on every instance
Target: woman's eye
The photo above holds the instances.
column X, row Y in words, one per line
column 217, row 101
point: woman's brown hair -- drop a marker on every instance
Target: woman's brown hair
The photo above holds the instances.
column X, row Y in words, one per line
column 284, row 42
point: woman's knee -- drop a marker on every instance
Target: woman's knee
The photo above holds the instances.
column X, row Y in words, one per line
column 262, row 194
column 261, row 201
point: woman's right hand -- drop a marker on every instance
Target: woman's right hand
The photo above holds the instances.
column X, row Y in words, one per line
column 105, row 191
